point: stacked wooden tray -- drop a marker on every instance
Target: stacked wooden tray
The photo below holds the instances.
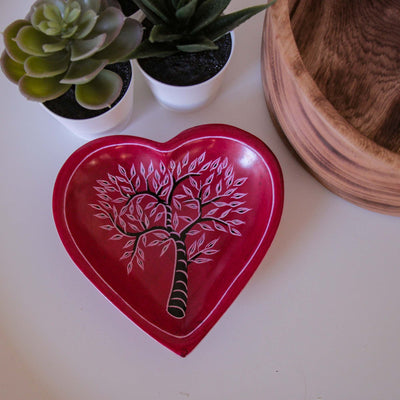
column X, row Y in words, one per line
column 331, row 75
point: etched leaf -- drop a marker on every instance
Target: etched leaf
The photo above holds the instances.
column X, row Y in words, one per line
column 155, row 184
column 140, row 253
column 127, row 254
column 206, row 227
column 235, row 232
column 239, row 182
column 212, row 244
column 177, row 204
column 192, row 205
column 206, row 193
column 212, row 212
column 162, row 167
column 192, row 249
column 161, row 235
column 219, row 227
column 165, row 248
column 101, row 216
column 225, row 213
column 95, row 206
column 205, row 166
column 210, row 252
column 102, row 182
column 137, row 184
column 116, row 237
column 202, row 157
column 201, row 260
column 121, row 170
column 159, row 216
column 119, row 200
column 129, row 243
column 193, row 183
column 133, row 171
column 187, row 191
column 236, row 222
column 242, row 210
column 218, row 188
column 175, row 221
column 215, row 164
column 107, row 227
column 185, row 160
column 142, row 170
column 209, row 179
column 129, row 268
column 192, row 166
column 201, row 240
column 126, row 189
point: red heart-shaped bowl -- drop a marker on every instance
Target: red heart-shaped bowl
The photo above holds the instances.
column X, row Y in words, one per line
column 170, row 232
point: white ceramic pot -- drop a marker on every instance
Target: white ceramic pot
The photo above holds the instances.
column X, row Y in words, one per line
column 187, row 98
column 112, row 121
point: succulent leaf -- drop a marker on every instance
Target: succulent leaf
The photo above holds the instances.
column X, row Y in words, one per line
column 130, row 35
column 54, row 47
column 84, row 48
column 159, row 8
column 87, row 23
column 109, row 22
column 100, row 92
column 187, row 11
column 200, row 45
column 226, row 23
column 208, row 12
column 31, row 41
column 83, row 71
column 94, row 5
column 42, row 89
column 11, row 46
column 162, row 33
column 147, row 49
column 45, row 67
column 150, row 15
column 13, row 70
column 52, row 13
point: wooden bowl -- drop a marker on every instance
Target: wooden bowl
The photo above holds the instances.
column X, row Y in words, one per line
column 331, row 76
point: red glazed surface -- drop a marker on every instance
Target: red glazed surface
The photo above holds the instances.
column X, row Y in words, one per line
column 170, row 232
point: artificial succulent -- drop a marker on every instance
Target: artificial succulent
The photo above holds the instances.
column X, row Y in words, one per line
column 69, row 42
column 188, row 25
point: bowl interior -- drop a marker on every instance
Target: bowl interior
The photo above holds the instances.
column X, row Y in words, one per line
column 351, row 49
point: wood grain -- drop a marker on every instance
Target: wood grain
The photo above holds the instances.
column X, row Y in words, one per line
column 332, row 84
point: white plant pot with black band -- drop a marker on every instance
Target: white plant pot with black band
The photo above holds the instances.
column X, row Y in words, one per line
column 187, row 98
column 112, row 121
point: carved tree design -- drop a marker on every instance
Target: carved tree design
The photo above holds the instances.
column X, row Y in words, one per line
column 176, row 205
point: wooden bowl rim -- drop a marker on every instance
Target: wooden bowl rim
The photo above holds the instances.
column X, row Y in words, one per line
column 284, row 37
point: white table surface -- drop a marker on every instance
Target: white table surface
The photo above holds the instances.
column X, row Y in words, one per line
column 319, row 319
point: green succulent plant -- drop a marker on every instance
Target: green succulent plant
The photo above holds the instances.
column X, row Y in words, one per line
column 188, row 25
column 69, row 42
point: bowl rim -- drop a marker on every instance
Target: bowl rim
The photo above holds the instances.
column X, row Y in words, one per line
column 279, row 17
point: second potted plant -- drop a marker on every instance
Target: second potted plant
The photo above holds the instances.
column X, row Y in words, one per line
column 67, row 54
column 186, row 48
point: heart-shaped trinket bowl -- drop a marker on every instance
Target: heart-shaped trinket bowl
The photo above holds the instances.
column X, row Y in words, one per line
column 170, row 232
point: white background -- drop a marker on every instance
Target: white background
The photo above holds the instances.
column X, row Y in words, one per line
column 319, row 320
